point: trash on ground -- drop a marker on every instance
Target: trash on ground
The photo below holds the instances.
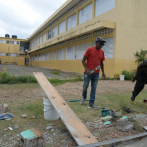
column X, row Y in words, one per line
column 24, row 116
column 49, row 127
column 10, row 128
column 107, row 123
column 106, row 118
column 145, row 127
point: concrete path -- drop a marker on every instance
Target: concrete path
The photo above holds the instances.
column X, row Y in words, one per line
column 21, row 70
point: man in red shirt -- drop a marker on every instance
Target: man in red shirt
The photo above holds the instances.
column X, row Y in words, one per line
column 94, row 56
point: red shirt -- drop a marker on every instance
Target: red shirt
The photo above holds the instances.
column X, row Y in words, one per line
column 94, row 58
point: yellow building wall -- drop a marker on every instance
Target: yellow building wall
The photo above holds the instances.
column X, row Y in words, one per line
column 21, row 61
column 12, row 49
column 73, row 65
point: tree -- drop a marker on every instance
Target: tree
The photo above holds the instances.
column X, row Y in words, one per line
column 142, row 55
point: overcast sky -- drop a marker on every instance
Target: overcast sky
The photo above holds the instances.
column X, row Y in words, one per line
column 23, row 17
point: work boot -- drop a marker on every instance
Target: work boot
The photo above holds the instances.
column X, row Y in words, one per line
column 82, row 101
column 132, row 98
column 93, row 107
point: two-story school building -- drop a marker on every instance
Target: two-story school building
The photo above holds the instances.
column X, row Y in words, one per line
column 12, row 50
column 61, row 41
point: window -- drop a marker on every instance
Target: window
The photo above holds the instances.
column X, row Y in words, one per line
column 107, row 48
column 21, row 48
column 40, row 39
column 31, row 58
column 43, row 56
column 2, row 41
column 44, row 37
column 36, row 58
column 13, row 55
column 102, row 6
column 70, row 53
column 2, row 54
column 54, row 33
column 61, row 54
column 35, row 43
column 47, row 56
column 39, row 57
column 81, row 48
column 62, row 26
column 85, row 14
column 71, row 22
column 53, row 55
column 49, row 34
column 13, row 42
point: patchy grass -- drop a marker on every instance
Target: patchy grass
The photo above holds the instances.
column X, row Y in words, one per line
column 34, row 107
column 55, row 72
column 108, row 101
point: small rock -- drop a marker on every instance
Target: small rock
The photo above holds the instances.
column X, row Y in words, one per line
column 49, row 127
column 54, row 134
column 24, row 116
column 52, row 130
column 5, row 129
column 33, row 117
column 16, row 127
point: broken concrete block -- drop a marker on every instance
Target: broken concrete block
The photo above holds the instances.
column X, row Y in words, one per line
column 106, row 118
column 123, row 124
column 32, row 138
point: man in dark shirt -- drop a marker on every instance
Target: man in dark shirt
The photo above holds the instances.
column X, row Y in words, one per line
column 141, row 76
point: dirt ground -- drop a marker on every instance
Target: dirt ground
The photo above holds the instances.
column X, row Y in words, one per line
column 70, row 91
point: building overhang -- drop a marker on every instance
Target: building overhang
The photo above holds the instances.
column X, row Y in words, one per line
column 86, row 27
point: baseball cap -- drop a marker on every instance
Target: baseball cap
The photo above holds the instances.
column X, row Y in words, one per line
column 100, row 39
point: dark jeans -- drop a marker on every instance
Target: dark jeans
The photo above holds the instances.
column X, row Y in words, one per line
column 94, row 80
column 141, row 81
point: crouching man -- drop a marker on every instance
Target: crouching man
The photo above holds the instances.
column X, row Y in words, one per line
column 141, row 76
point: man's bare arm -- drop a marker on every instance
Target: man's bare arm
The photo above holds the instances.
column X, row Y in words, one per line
column 84, row 64
column 102, row 68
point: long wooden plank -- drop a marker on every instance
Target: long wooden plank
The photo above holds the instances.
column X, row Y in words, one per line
column 77, row 129
column 115, row 140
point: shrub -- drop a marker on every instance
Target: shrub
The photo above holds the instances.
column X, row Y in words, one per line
column 128, row 74
column 6, row 78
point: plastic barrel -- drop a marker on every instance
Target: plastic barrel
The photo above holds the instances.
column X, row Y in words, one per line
column 49, row 112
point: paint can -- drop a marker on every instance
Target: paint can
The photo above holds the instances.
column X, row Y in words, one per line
column 122, row 77
column 49, row 112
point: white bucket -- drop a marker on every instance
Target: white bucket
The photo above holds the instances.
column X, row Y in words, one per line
column 49, row 112
column 122, row 77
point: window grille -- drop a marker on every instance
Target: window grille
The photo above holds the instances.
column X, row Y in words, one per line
column 83, row 37
column 82, row 2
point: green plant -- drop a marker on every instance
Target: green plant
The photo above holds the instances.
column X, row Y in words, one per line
column 55, row 72
column 117, row 76
column 26, row 65
column 142, row 55
column 6, row 78
column 128, row 74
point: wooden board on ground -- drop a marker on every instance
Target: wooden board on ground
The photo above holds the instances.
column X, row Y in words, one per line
column 77, row 129
column 108, row 142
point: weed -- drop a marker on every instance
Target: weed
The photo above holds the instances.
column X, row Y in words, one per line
column 116, row 76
